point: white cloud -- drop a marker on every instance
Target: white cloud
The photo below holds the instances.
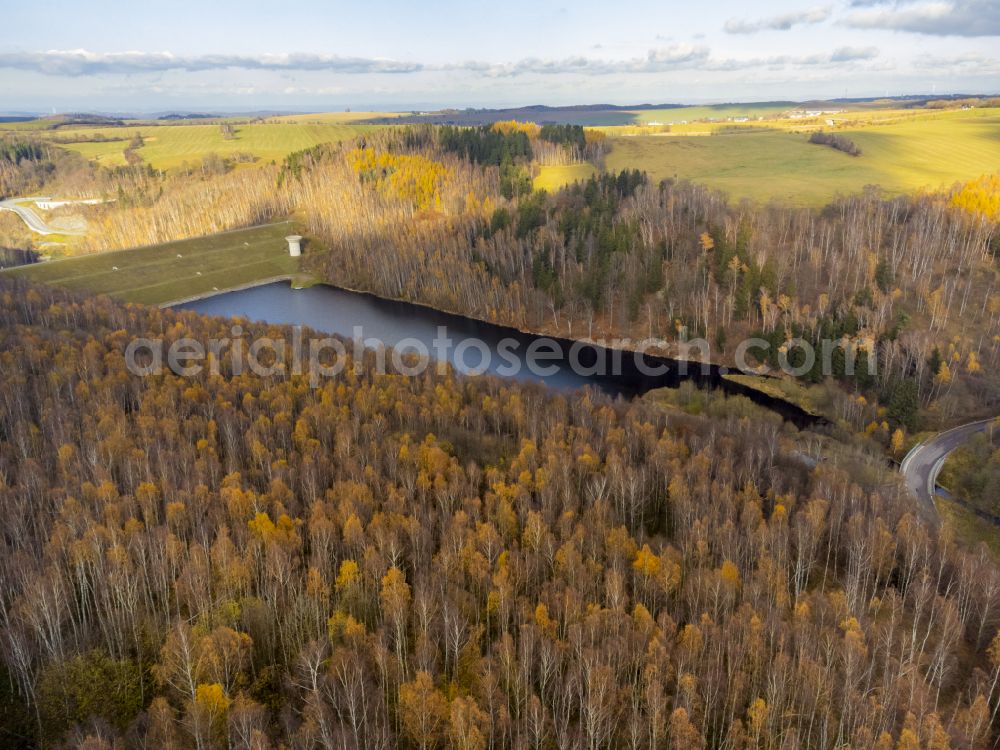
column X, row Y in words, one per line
column 84, row 62
column 783, row 22
column 81, row 62
column 969, row 18
column 837, row 58
column 971, row 62
column 656, row 61
column 850, row 54
column 77, row 63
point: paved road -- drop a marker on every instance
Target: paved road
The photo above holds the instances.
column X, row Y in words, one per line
column 922, row 465
column 35, row 222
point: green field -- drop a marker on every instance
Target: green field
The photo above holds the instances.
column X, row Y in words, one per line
column 928, row 153
column 163, row 273
column 105, row 153
column 169, row 146
column 553, row 177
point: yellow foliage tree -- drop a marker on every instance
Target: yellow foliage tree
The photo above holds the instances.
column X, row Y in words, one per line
column 507, row 127
column 908, row 740
column 684, row 735
column 898, row 440
column 423, row 711
column 407, row 177
column 729, row 573
column 980, row 197
column 646, row 562
column 943, row 376
column 972, row 362
column 208, row 712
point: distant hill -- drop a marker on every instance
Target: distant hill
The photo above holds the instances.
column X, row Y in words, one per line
column 54, row 122
column 581, row 114
column 614, row 114
column 187, row 116
column 576, row 114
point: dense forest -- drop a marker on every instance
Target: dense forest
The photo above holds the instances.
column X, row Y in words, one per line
column 442, row 562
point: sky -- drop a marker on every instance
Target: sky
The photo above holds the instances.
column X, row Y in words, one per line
column 401, row 55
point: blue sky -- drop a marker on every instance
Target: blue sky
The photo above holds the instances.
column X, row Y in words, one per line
column 390, row 54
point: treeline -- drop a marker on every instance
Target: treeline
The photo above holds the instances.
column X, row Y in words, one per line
column 838, row 142
column 156, row 209
column 29, row 166
column 24, row 165
column 17, row 151
column 568, row 144
column 84, row 138
column 486, row 144
column 441, row 562
column 566, row 135
column 12, row 256
column 512, row 142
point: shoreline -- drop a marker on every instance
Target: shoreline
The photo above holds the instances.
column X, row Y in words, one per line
column 702, row 371
column 217, row 292
column 604, row 343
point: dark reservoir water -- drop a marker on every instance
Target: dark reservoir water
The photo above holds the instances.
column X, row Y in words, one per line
column 471, row 346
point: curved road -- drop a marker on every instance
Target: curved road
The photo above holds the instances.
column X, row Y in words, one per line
column 923, row 463
column 35, row 222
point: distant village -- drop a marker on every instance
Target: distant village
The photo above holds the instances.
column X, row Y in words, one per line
column 795, row 114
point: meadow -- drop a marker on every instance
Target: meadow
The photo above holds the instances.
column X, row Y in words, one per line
column 909, row 154
column 767, row 159
column 168, row 146
column 157, row 274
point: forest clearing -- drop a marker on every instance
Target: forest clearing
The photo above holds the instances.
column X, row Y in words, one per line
column 555, row 176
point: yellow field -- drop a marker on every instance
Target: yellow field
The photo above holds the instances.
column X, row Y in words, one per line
column 169, row 146
column 927, row 152
column 342, row 118
column 552, row 178
column 708, row 120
